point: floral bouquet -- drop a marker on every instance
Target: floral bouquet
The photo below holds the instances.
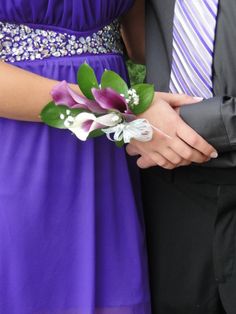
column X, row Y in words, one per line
column 110, row 108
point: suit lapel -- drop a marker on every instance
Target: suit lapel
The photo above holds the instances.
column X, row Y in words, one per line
column 165, row 9
column 159, row 38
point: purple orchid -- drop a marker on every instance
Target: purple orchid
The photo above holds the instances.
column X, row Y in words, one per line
column 62, row 94
column 105, row 100
column 112, row 109
column 109, row 99
column 108, row 109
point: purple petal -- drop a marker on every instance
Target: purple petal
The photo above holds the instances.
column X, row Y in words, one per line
column 79, row 99
column 90, row 125
column 96, row 126
column 107, row 98
column 85, row 102
column 129, row 117
column 87, row 125
column 94, row 107
column 61, row 96
column 128, row 111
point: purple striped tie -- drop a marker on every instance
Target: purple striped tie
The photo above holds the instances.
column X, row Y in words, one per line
column 193, row 45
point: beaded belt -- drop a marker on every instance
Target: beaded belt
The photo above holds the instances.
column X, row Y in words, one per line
column 22, row 42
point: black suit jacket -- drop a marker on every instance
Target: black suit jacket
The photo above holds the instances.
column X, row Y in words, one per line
column 214, row 119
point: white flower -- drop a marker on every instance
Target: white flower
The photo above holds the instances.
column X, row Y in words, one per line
column 84, row 123
column 133, row 98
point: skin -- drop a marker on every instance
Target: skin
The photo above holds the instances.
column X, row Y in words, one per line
column 183, row 145
column 23, row 94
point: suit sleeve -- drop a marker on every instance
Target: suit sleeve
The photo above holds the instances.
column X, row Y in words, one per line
column 215, row 120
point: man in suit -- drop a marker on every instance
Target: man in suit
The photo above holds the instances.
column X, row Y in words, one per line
column 190, row 211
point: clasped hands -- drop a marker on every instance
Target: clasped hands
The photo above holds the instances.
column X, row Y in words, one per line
column 174, row 143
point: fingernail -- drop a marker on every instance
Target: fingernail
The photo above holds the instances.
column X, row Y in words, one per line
column 198, row 98
column 214, row 155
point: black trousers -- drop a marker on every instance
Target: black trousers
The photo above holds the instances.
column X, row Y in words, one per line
column 190, row 216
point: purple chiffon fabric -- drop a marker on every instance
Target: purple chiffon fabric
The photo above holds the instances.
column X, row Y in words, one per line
column 71, row 231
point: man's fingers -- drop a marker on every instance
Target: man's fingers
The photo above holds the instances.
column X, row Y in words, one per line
column 192, row 138
column 177, row 100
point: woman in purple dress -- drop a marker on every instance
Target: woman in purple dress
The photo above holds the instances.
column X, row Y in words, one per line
column 71, row 234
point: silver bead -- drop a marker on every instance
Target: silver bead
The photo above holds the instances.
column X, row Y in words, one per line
column 56, row 54
column 21, row 42
column 79, row 51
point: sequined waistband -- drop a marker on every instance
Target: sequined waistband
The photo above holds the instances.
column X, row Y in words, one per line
column 22, row 42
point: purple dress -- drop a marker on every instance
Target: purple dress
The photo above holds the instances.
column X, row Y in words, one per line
column 71, row 233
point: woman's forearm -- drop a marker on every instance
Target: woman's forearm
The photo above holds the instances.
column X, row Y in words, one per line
column 23, row 94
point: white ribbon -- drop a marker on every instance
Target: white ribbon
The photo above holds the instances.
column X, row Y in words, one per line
column 140, row 130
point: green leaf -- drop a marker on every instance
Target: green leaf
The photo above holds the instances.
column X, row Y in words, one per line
column 146, row 95
column 114, row 81
column 51, row 113
column 96, row 133
column 120, row 143
column 137, row 72
column 87, row 80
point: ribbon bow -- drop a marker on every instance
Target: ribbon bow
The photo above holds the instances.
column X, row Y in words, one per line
column 139, row 129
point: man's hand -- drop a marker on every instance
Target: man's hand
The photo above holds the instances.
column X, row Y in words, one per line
column 180, row 146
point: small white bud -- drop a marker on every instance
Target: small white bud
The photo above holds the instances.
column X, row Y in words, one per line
column 67, row 124
column 71, row 119
column 115, row 118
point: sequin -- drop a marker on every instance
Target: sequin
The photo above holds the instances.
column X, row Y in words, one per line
column 21, row 42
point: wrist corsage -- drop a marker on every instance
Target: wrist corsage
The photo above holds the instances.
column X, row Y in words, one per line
column 110, row 108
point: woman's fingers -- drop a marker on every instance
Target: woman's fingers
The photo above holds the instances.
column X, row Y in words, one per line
column 194, row 140
column 147, row 161
column 187, row 153
column 132, row 150
column 167, row 157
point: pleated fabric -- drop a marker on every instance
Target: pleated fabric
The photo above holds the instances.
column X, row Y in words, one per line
column 71, row 230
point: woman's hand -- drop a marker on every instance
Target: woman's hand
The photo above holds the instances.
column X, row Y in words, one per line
column 178, row 100
column 176, row 144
